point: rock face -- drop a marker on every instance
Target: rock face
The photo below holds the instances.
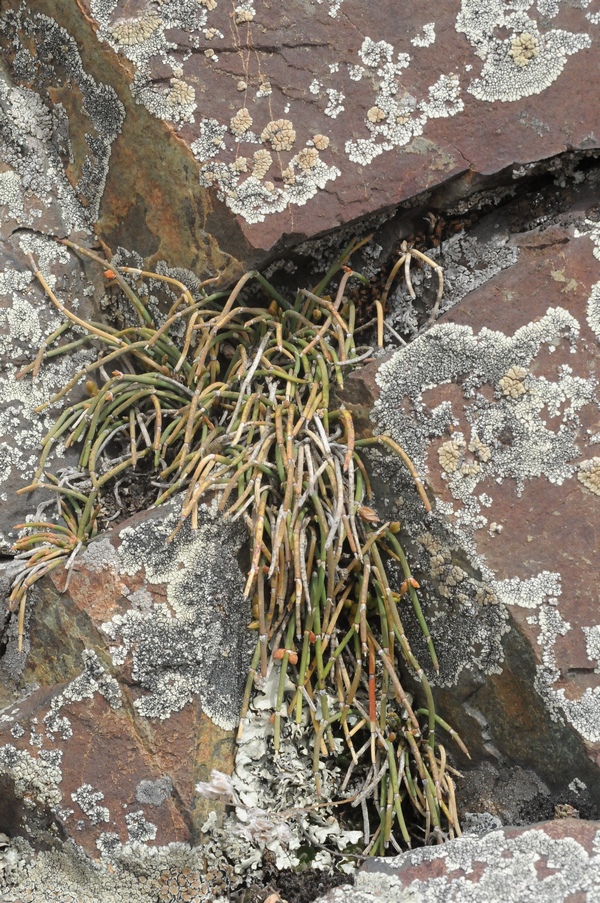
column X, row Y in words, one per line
column 222, row 131
column 36, row 201
column 553, row 862
column 151, row 654
column 202, row 139
column 498, row 406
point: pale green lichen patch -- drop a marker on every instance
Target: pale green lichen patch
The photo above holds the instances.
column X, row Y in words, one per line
column 529, row 429
column 203, row 583
column 132, row 873
column 591, row 229
column 449, row 353
column 38, row 161
column 280, row 802
column 25, row 319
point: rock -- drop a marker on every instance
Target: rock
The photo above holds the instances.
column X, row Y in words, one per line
column 220, row 133
column 552, row 862
column 36, row 201
column 118, row 158
column 498, row 407
column 130, row 690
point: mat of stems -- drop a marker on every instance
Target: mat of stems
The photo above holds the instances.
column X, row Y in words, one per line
column 242, row 406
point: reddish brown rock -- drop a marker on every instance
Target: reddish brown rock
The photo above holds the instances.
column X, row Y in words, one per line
column 135, row 703
column 241, row 128
column 498, row 406
column 554, row 861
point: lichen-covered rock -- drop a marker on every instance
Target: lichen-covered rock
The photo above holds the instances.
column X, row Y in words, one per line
column 36, row 202
column 553, row 862
column 339, row 100
column 112, row 163
column 498, row 406
column 140, row 666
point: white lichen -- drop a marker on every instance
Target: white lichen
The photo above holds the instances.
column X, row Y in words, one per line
column 591, row 230
column 530, row 867
column 526, row 63
column 426, row 38
column 88, row 801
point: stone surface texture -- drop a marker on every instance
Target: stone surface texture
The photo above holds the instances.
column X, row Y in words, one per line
column 552, row 862
column 498, row 406
column 109, row 735
column 202, row 138
column 262, row 123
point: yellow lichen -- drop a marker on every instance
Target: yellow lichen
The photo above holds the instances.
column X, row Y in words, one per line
column 321, row 142
column 524, row 48
column 241, row 164
column 262, row 162
column 181, row 93
column 243, row 15
column 511, row 383
column 448, row 455
column 307, row 158
column 455, row 576
column 375, row 114
column 480, row 449
column 241, row 85
column 241, row 122
column 486, row 596
column 208, row 4
column 135, row 31
column 589, row 475
column 281, row 134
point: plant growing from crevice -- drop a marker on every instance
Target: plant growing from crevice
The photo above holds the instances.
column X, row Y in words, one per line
column 230, row 398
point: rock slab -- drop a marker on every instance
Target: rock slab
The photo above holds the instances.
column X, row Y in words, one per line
column 130, row 690
column 553, row 862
